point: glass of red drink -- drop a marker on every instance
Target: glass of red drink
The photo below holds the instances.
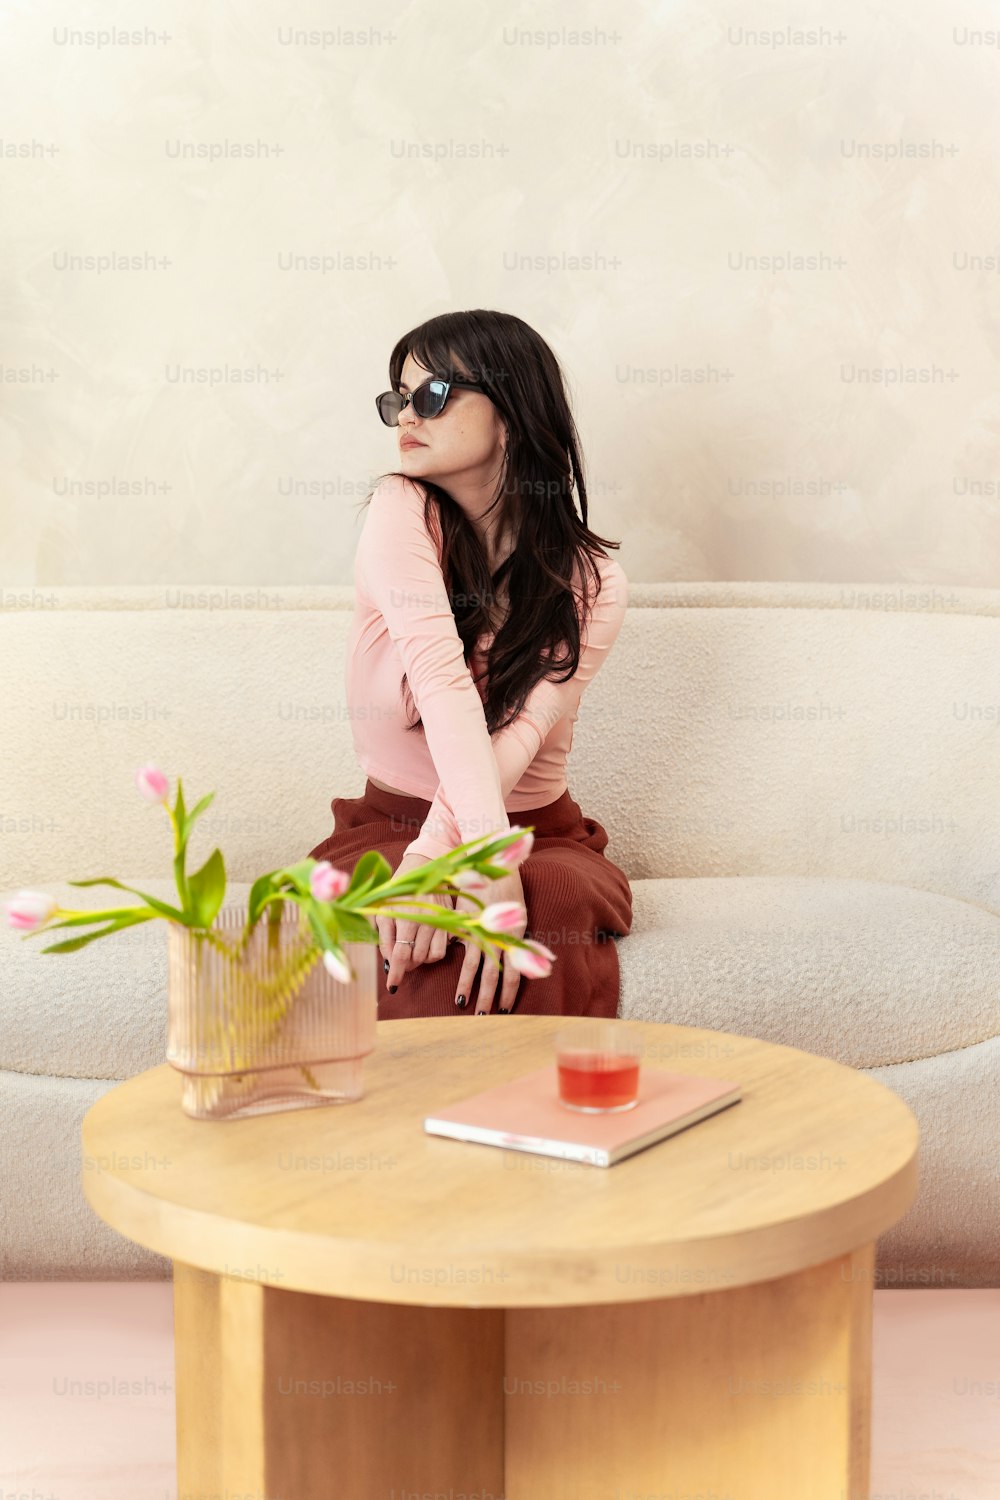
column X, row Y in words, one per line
column 598, row 1066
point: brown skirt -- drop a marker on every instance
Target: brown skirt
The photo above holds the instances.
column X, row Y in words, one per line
column 576, row 899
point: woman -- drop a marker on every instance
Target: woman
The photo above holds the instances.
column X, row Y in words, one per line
column 475, row 588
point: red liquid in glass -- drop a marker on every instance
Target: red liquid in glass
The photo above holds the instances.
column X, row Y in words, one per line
column 597, row 1080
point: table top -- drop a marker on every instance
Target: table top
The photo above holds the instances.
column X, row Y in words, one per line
column 357, row 1200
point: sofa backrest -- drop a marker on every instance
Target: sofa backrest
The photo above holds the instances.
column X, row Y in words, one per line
column 737, row 729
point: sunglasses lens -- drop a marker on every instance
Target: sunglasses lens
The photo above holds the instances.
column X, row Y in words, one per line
column 389, row 404
column 429, row 398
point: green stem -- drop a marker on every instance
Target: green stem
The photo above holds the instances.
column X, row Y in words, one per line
column 277, row 993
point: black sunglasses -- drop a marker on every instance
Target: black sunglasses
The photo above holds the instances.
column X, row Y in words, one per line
column 428, row 399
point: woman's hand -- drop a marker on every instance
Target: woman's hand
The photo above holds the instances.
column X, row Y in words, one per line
column 429, row 943
column 507, row 889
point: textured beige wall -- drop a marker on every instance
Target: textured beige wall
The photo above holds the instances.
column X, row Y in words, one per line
column 624, row 188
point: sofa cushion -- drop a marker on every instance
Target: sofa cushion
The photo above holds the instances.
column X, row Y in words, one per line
column 868, row 974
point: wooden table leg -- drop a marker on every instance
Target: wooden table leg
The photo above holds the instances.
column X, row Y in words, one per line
column 285, row 1394
column 760, row 1392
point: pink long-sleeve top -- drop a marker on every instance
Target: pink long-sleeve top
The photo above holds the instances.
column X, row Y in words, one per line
column 403, row 622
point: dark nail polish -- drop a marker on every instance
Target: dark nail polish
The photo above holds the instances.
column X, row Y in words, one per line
column 504, row 1011
column 461, row 1001
column 385, row 966
column 393, row 988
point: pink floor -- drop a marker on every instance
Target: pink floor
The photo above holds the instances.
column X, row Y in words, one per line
column 87, row 1399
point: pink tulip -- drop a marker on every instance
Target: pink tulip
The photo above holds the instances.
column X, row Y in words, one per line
column 471, row 882
column 516, row 853
column 503, row 916
column 326, row 883
column 337, row 966
column 534, row 961
column 27, row 910
column 152, row 783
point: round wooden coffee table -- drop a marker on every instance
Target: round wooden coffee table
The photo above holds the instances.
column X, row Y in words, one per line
column 365, row 1311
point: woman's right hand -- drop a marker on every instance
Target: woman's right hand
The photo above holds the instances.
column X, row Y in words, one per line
column 509, row 888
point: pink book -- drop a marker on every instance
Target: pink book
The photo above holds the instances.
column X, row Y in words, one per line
column 524, row 1114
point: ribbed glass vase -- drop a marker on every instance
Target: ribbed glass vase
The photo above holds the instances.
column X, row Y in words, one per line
column 269, row 1029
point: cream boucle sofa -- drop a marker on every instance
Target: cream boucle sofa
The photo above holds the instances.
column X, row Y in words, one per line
column 800, row 782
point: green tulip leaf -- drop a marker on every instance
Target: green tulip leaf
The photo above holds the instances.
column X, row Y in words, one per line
column 295, row 876
column 199, row 808
column 355, row 929
column 72, row 944
column 158, row 906
column 207, row 887
column 259, row 891
column 371, row 869
column 323, row 938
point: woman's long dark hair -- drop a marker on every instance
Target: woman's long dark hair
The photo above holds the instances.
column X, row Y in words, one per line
column 541, row 464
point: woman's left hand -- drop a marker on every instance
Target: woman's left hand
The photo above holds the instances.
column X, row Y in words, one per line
column 429, row 943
